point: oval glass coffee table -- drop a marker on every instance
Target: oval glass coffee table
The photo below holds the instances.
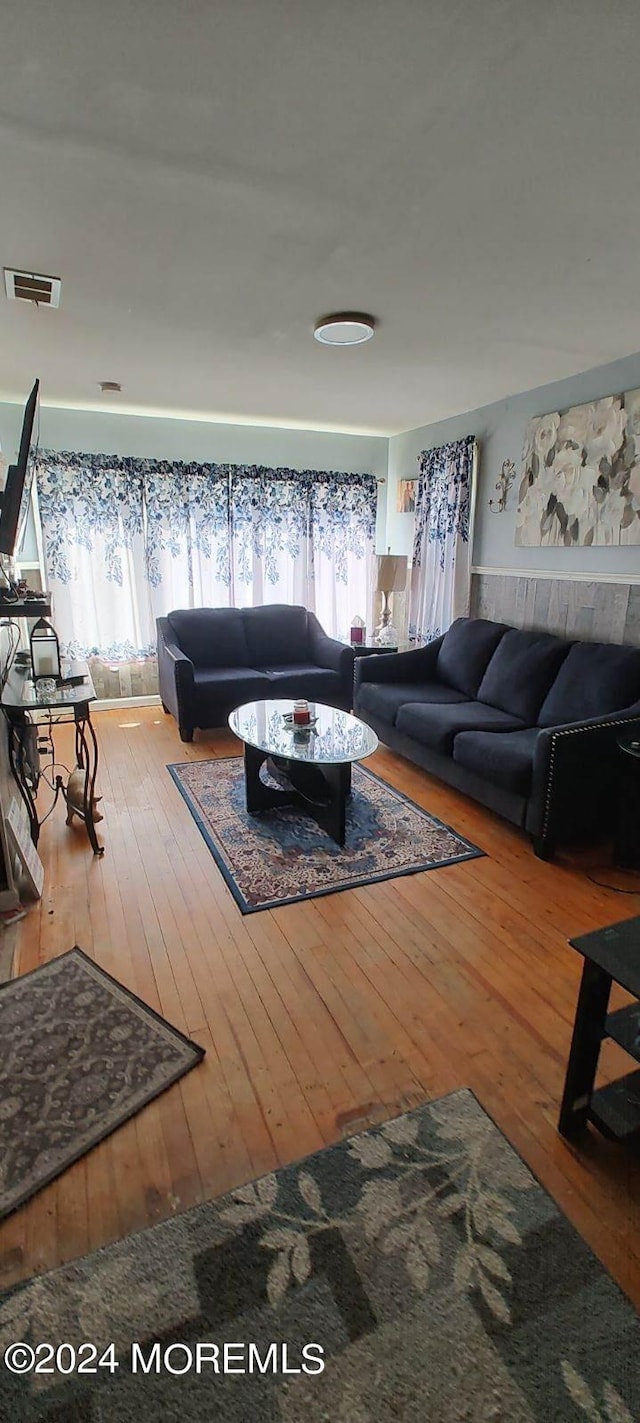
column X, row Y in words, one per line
column 311, row 768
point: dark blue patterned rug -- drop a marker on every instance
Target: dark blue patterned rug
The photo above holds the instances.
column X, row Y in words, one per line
column 280, row 856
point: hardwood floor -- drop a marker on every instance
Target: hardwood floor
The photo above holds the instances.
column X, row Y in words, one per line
column 321, row 1017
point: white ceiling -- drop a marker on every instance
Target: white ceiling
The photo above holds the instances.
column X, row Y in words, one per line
column 208, row 177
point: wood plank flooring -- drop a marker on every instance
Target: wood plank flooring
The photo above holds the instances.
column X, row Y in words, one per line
column 321, row 1017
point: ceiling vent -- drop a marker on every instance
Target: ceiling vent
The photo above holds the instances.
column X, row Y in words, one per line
column 30, row 286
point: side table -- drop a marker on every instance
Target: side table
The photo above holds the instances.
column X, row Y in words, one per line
column 611, row 955
column 627, row 837
column 21, row 702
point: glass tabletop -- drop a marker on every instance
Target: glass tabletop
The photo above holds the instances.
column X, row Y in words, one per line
column 21, row 693
column 337, row 736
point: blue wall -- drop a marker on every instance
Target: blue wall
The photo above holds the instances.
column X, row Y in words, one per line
column 500, row 429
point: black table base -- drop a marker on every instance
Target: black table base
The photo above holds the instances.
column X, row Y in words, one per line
column 320, row 789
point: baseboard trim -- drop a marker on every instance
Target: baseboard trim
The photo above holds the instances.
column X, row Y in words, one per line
column 559, row 577
column 121, row 703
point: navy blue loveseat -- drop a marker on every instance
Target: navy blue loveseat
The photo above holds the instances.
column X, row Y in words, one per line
column 524, row 722
column 211, row 660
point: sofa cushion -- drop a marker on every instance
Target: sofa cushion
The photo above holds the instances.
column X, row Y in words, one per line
column 303, row 679
column 503, row 757
column 465, row 652
column 217, row 690
column 596, row 678
column 436, row 726
column 384, row 699
column 211, row 637
column 276, row 634
column 521, row 672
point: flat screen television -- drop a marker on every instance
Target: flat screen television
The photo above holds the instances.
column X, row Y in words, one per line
column 14, row 501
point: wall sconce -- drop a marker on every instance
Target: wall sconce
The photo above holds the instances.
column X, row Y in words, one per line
column 503, row 484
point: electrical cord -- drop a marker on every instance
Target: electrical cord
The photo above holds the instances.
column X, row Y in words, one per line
column 616, row 888
column 14, row 633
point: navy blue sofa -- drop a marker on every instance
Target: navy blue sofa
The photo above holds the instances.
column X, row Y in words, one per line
column 524, row 722
column 211, row 660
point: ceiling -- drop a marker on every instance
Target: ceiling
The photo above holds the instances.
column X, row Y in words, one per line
column 210, row 177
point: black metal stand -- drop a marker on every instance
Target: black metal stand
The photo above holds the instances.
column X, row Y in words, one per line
column 320, row 789
column 86, row 750
column 588, row 1032
column 611, row 955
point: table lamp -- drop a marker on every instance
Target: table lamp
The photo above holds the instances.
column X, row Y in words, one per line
column 392, row 578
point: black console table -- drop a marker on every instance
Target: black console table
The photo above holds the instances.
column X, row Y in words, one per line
column 69, row 704
column 611, row 955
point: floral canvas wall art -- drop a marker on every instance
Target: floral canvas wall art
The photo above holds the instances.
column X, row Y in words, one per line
column 581, row 476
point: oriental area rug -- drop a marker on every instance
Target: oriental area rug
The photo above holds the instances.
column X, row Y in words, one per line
column 79, row 1055
column 280, row 856
column 417, row 1271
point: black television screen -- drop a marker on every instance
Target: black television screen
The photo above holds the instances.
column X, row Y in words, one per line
column 14, row 502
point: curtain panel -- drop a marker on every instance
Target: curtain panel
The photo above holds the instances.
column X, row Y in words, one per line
column 127, row 540
column 441, row 570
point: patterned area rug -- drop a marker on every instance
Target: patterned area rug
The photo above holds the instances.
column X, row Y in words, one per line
column 79, row 1055
column 416, row 1272
column 280, row 856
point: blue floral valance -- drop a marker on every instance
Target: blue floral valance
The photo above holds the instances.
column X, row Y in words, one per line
column 123, row 496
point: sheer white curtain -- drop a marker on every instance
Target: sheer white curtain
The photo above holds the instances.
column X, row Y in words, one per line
column 187, row 537
column 91, row 511
column 269, row 531
column 343, row 548
column 441, row 571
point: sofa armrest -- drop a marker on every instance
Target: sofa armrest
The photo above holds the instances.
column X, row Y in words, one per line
column 576, row 775
column 175, row 674
column 336, row 656
column 414, row 666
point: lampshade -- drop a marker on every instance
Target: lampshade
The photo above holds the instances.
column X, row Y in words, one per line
column 392, row 573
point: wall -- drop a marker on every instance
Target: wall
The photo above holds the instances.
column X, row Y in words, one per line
column 599, row 577
column 499, row 428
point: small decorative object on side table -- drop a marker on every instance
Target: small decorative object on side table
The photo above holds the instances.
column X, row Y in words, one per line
column 627, row 840
column 611, row 955
column 357, row 632
column 45, row 650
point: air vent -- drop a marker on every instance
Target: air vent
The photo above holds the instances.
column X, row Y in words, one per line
column 31, row 286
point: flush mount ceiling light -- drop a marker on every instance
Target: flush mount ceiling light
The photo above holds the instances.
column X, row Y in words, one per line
column 109, row 385
column 345, row 328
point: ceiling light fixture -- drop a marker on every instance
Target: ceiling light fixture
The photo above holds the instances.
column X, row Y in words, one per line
column 109, row 385
column 345, row 328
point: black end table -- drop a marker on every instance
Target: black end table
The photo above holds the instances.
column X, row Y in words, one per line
column 611, row 955
column 627, row 838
